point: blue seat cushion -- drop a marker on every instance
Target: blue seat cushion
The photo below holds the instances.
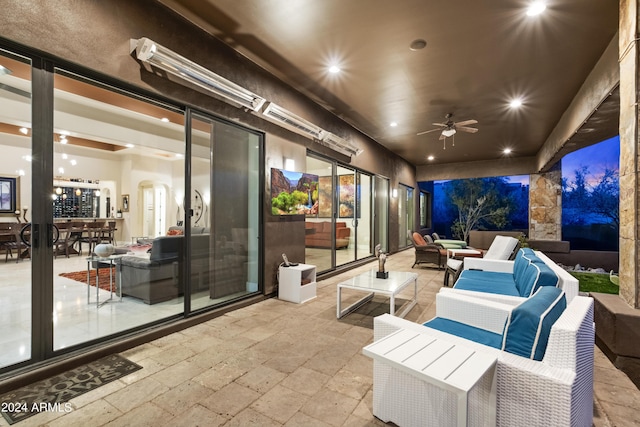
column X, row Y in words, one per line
column 465, row 331
column 529, row 325
column 481, row 281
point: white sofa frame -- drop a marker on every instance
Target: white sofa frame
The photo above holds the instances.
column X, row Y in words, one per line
column 556, row 391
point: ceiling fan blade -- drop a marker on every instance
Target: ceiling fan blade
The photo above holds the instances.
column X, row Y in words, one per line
column 466, row 129
column 466, row 122
column 428, row 131
column 444, row 125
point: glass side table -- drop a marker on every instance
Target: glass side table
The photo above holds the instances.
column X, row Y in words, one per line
column 97, row 262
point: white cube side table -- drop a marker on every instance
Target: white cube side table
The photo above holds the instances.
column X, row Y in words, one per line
column 297, row 283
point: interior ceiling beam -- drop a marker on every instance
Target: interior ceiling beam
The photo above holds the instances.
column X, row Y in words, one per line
column 597, row 87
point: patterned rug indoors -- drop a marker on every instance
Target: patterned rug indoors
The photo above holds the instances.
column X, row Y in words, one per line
column 103, row 278
column 53, row 394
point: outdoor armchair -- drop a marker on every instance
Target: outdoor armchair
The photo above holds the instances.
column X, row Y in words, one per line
column 431, row 253
column 502, row 247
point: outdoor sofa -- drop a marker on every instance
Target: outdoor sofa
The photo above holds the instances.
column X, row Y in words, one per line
column 544, row 363
column 512, row 281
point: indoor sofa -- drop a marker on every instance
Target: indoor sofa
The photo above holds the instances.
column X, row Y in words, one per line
column 318, row 235
column 155, row 278
column 220, row 270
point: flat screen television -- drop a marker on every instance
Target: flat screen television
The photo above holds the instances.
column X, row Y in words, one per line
column 293, row 193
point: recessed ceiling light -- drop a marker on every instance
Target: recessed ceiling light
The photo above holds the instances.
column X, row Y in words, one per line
column 164, row 119
column 430, row 158
column 24, row 131
column 73, row 162
column 516, row 103
column 334, row 69
column 65, row 132
column 393, row 124
column 418, row 44
column 507, row 151
column 536, row 8
column 129, row 145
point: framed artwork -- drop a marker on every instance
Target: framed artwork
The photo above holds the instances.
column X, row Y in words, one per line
column 325, row 192
column 346, row 195
column 125, row 203
column 8, row 195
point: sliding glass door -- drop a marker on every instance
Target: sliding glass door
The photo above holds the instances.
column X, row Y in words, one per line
column 16, row 209
column 381, row 212
column 118, row 167
column 341, row 230
column 406, row 210
column 223, row 212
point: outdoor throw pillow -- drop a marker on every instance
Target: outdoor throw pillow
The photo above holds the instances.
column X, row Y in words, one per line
column 529, row 324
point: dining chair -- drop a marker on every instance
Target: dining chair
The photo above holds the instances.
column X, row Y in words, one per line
column 92, row 235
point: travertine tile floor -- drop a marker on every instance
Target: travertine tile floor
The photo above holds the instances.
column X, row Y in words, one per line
column 277, row 363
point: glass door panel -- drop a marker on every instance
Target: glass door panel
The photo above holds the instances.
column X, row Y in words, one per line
column 346, row 219
column 224, row 213
column 16, row 209
column 118, row 179
column 405, row 215
column 364, row 215
column 381, row 213
column 318, row 228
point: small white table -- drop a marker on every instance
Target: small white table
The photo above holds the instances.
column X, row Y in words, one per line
column 453, row 253
column 450, row 367
column 391, row 286
column 111, row 261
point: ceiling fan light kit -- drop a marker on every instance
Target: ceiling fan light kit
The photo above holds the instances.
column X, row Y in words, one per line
column 450, row 128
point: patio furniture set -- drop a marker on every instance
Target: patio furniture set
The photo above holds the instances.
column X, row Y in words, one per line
column 512, row 343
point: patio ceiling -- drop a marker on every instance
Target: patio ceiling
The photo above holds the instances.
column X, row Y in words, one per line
column 479, row 56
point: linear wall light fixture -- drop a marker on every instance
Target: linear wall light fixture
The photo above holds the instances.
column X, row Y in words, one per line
column 340, row 145
column 159, row 56
column 292, row 122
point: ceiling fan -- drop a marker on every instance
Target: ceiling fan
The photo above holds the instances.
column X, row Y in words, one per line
column 450, row 128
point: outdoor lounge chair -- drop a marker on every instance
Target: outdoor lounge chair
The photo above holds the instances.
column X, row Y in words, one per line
column 554, row 391
column 502, row 247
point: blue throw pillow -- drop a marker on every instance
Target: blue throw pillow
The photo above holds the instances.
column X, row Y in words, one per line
column 529, row 325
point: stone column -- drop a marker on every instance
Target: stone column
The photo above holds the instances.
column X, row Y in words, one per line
column 629, row 180
column 545, row 204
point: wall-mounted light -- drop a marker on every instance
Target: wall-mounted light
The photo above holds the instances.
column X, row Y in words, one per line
column 58, row 190
column 78, row 192
column 159, row 56
column 97, row 193
column 394, row 193
column 289, row 164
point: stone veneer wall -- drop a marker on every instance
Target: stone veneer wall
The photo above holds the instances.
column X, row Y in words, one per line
column 545, row 204
column 629, row 170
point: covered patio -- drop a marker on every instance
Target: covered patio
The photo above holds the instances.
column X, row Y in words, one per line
column 199, row 376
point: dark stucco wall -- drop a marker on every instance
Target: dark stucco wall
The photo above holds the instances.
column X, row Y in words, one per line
column 96, row 34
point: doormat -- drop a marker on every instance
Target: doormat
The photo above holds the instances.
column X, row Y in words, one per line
column 53, row 394
column 103, row 278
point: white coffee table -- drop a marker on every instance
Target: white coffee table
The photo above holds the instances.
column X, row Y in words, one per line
column 367, row 282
